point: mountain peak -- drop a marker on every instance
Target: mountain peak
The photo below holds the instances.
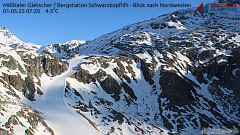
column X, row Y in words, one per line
column 9, row 41
column 4, row 28
column 6, row 32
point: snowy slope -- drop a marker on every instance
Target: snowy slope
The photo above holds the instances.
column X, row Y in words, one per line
column 16, row 117
column 177, row 73
column 7, row 37
column 37, row 80
column 9, row 41
column 53, row 109
column 182, row 21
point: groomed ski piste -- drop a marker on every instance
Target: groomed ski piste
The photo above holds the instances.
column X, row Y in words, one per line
column 53, row 109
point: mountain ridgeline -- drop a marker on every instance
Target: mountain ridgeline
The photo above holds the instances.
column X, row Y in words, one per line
column 176, row 74
column 180, row 72
column 20, row 78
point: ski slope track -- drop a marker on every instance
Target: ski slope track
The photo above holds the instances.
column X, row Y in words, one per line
column 63, row 121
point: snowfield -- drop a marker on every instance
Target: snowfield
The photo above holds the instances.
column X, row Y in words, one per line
column 53, row 109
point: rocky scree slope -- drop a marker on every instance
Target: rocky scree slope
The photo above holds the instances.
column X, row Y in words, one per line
column 179, row 72
column 21, row 71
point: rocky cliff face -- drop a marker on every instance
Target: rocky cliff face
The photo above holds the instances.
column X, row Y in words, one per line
column 59, row 49
column 28, row 80
column 178, row 72
column 21, row 76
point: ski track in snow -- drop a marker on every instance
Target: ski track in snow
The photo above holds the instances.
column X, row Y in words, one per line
column 54, row 110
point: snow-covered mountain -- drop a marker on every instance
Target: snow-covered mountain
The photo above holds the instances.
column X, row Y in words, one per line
column 59, row 49
column 9, row 42
column 22, row 71
column 176, row 74
column 31, row 90
column 7, row 37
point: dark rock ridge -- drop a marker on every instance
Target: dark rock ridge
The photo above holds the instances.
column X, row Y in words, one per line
column 34, row 66
column 17, row 119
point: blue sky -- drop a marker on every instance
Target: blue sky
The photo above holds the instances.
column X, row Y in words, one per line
column 80, row 23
